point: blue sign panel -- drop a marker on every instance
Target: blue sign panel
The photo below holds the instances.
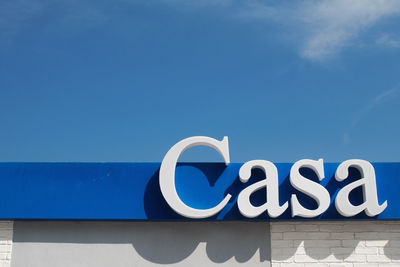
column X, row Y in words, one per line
column 130, row 191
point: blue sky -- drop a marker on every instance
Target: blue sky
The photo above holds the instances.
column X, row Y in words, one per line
column 125, row 80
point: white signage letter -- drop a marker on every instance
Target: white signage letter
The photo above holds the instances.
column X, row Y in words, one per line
column 271, row 184
column 308, row 187
column 368, row 183
column 167, row 175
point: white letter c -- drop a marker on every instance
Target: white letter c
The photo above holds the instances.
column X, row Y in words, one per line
column 167, row 175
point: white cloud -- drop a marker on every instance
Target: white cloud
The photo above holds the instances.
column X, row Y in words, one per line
column 388, row 41
column 71, row 16
column 200, row 3
column 330, row 25
column 14, row 14
column 381, row 98
column 319, row 29
column 323, row 28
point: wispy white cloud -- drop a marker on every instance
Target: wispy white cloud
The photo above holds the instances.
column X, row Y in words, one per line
column 372, row 104
column 331, row 25
column 363, row 112
column 319, row 29
column 388, row 40
column 14, row 14
column 323, row 28
column 72, row 15
column 200, row 3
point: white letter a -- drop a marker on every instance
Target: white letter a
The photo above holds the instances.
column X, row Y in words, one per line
column 368, row 183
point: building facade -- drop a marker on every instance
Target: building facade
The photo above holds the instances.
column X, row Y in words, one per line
column 280, row 244
column 257, row 213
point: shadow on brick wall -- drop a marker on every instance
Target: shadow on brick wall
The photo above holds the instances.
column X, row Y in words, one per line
column 151, row 243
column 349, row 241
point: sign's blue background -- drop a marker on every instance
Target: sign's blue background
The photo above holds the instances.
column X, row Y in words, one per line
column 130, row 191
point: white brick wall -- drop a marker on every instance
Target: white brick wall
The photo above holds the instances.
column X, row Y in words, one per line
column 335, row 243
column 6, row 233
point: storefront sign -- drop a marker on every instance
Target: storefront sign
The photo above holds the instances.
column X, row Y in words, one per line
column 255, row 190
column 315, row 190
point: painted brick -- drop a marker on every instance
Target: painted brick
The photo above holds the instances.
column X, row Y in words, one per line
column 353, row 243
column 304, row 258
column 330, row 227
column 389, row 235
column 284, row 252
column 376, row 243
column 390, row 251
column 342, row 236
column 342, row 250
column 378, row 258
column 283, row 243
column 276, row 236
column 314, row 251
column 394, row 243
column 292, row 265
column 329, row 259
column 367, row 251
column 338, row 243
column 340, row 265
column 321, row 243
column 305, row 235
column 282, row 227
column 356, row 258
column 306, row 227
column 366, row 236
column 6, row 233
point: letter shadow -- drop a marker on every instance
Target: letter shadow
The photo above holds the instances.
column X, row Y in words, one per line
column 338, row 240
column 152, row 243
